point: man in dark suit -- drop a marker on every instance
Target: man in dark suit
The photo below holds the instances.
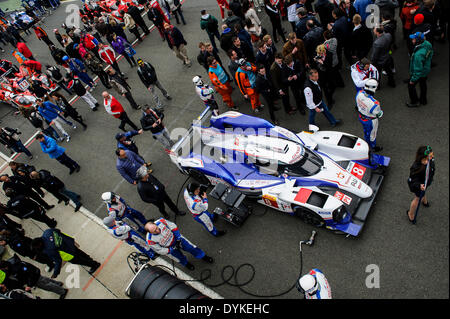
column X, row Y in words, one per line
column 264, row 86
column 293, row 75
column 152, row 191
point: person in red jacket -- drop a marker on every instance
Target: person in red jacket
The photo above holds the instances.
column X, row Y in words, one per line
column 22, row 47
column 407, row 16
column 223, row 4
column 35, row 66
column 113, row 107
column 107, row 54
column 42, row 35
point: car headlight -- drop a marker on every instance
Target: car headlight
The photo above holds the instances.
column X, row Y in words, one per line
column 339, row 214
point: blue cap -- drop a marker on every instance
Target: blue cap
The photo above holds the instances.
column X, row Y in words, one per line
column 65, row 58
column 119, row 136
column 417, row 35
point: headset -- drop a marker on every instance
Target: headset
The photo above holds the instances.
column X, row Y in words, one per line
column 193, row 186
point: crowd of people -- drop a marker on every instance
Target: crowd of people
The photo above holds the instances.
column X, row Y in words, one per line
column 328, row 37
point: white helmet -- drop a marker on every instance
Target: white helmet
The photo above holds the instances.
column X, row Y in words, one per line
column 109, row 221
column 106, row 197
column 197, row 80
column 308, row 284
column 371, row 85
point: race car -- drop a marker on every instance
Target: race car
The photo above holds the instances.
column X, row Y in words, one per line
column 327, row 178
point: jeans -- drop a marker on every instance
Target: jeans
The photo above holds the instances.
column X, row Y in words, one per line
column 19, row 148
column 85, row 78
column 73, row 196
column 164, row 138
column 325, row 111
column 211, row 36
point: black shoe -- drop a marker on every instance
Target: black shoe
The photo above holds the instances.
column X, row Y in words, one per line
column 168, row 97
column 59, row 201
column 180, row 213
column 84, row 127
column 421, row 103
column 63, row 296
column 54, row 223
column 78, row 168
column 412, row 104
column 50, row 207
column 377, row 149
column 77, row 208
column 189, row 266
column 95, row 108
column 166, row 216
column 66, row 202
column 338, row 122
column 208, row 259
column 31, row 157
column 94, row 268
column 71, row 171
column 221, row 233
column 276, row 108
column 426, row 205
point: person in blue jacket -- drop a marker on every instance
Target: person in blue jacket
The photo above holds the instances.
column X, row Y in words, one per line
column 49, row 146
column 53, row 114
column 125, row 141
column 79, row 69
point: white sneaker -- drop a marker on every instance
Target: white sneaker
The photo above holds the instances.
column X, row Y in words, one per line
column 384, row 72
column 67, row 138
column 74, row 126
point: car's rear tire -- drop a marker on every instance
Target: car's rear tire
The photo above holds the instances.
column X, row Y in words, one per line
column 309, row 217
column 199, row 177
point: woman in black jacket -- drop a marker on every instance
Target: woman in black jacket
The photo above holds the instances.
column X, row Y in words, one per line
column 274, row 14
column 418, row 178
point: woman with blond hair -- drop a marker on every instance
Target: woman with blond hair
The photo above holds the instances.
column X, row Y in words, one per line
column 324, row 64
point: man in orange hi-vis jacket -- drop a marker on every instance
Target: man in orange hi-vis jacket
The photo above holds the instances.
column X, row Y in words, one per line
column 245, row 79
column 221, row 82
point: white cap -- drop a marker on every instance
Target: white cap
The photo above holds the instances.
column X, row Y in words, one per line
column 371, row 85
column 197, row 80
column 308, row 283
column 106, row 197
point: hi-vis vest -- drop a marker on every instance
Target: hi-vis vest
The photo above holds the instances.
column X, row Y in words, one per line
column 19, row 56
column 58, row 241
column 2, row 276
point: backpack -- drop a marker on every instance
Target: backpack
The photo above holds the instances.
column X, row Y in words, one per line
column 212, row 24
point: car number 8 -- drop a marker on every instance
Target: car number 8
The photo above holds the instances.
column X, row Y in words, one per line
column 358, row 171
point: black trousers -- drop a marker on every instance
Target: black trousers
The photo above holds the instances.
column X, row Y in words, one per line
column 42, row 217
column 130, row 59
column 124, row 119
column 35, row 196
column 81, row 258
column 67, row 161
column 271, row 105
column 166, row 199
column 135, row 31
column 130, row 99
column 423, row 91
column 103, row 76
column 115, row 66
column 141, row 23
column 77, row 117
column 277, row 28
column 388, row 66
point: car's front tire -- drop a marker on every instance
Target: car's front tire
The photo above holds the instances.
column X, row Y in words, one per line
column 309, row 217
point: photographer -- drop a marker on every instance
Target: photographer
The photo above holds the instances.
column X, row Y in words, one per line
column 9, row 138
column 151, row 120
column 197, row 203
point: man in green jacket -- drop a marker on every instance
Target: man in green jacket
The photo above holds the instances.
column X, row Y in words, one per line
column 211, row 26
column 419, row 68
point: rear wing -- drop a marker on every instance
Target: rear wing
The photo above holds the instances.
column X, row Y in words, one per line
column 185, row 144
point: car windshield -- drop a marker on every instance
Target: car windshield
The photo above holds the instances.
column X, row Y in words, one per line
column 308, row 164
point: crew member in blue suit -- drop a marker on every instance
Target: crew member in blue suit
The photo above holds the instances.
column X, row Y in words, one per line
column 197, row 203
column 314, row 285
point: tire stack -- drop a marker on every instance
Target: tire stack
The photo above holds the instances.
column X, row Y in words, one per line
column 155, row 283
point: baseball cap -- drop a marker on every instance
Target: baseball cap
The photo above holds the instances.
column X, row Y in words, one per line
column 119, row 136
column 417, row 35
